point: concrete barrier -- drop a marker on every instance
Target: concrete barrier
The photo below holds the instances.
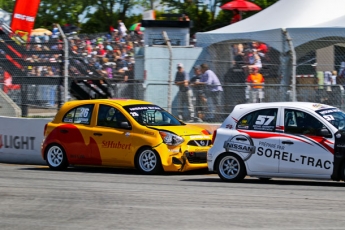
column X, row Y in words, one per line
column 21, row 138
column 8, row 107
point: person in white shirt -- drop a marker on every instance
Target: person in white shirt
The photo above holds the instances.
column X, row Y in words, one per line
column 334, row 77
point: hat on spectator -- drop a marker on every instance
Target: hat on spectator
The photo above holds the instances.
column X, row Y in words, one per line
column 109, row 47
column 179, row 65
column 315, row 64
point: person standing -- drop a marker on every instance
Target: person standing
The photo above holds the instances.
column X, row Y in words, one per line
column 198, row 93
column 184, row 96
column 213, row 92
column 327, row 78
column 319, row 80
column 255, row 82
column 334, row 77
column 236, row 16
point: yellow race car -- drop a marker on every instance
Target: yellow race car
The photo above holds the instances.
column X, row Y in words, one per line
column 123, row 133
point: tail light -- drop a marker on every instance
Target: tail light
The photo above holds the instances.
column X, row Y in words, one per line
column 214, row 136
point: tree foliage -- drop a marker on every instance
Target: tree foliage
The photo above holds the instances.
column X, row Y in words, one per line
column 101, row 14
column 7, row 5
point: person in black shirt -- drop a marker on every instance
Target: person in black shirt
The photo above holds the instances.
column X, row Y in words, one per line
column 184, row 93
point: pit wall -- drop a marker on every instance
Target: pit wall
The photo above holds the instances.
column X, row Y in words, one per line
column 21, row 138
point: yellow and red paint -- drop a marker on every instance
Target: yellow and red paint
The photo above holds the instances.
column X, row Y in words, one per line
column 77, row 150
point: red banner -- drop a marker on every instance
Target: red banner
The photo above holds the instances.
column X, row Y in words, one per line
column 23, row 17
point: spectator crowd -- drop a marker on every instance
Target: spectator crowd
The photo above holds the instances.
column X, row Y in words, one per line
column 96, row 56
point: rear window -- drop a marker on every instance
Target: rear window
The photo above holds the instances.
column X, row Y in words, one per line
column 79, row 115
column 261, row 120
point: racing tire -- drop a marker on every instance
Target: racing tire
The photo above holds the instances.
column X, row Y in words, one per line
column 148, row 161
column 56, row 157
column 231, row 168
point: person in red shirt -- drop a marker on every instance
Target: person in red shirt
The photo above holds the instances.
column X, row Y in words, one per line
column 261, row 48
column 236, row 17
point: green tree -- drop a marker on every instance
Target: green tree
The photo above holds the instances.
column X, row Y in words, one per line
column 7, row 5
column 52, row 11
column 113, row 10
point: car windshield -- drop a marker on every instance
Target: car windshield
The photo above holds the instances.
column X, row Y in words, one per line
column 152, row 115
column 334, row 116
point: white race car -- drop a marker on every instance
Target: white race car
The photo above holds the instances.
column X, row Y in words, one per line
column 281, row 139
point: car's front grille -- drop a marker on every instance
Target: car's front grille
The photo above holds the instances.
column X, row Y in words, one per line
column 200, row 143
column 196, row 157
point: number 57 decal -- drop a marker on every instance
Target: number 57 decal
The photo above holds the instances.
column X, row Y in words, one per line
column 264, row 120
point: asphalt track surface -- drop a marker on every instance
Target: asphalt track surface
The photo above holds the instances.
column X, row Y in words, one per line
column 34, row 197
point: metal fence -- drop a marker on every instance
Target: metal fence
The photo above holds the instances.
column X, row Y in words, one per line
column 44, row 99
column 232, row 62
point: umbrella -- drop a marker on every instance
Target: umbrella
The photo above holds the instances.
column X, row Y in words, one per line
column 240, row 5
column 137, row 27
column 40, row 32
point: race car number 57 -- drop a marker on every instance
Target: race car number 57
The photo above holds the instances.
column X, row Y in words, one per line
column 264, row 120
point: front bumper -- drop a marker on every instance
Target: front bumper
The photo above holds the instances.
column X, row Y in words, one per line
column 181, row 159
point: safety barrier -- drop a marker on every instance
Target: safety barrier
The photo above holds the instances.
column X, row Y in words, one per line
column 21, row 138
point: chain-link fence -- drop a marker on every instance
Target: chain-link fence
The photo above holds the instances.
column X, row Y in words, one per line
column 102, row 66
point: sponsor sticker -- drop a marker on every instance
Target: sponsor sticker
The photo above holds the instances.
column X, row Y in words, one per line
column 240, row 143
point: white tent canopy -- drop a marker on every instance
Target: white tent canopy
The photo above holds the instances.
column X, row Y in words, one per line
column 299, row 26
column 267, row 25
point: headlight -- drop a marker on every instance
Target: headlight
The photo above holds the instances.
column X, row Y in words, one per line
column 170, row 138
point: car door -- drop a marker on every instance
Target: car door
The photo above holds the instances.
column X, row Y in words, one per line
column 112, row 134
column 259, row 127
column 74, row 134
column 306, row 150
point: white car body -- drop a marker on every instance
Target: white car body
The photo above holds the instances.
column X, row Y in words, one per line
column 268, row 140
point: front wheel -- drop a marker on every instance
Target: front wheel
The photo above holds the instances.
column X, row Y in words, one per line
column 56, row 157
column 148, row 161
column 231, row 168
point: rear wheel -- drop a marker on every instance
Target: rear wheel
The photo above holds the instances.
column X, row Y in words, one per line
column 231, row 168
column 56, row 157
column 148, row 161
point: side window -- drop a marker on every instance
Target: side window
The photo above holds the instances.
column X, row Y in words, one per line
column 261, row 120
column 299, row 122
column 109, row 116
column 79, row 115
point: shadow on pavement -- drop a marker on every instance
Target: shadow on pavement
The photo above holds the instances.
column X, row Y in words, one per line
column 110, row 170
column 295, row 182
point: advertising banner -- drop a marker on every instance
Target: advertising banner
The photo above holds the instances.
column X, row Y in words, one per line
column 23, row 17
column 20, row 140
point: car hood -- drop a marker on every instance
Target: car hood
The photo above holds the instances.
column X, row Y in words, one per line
column 185, row 130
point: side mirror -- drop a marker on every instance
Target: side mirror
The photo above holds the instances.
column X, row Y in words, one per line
column 125, row 125
column 325, row 133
